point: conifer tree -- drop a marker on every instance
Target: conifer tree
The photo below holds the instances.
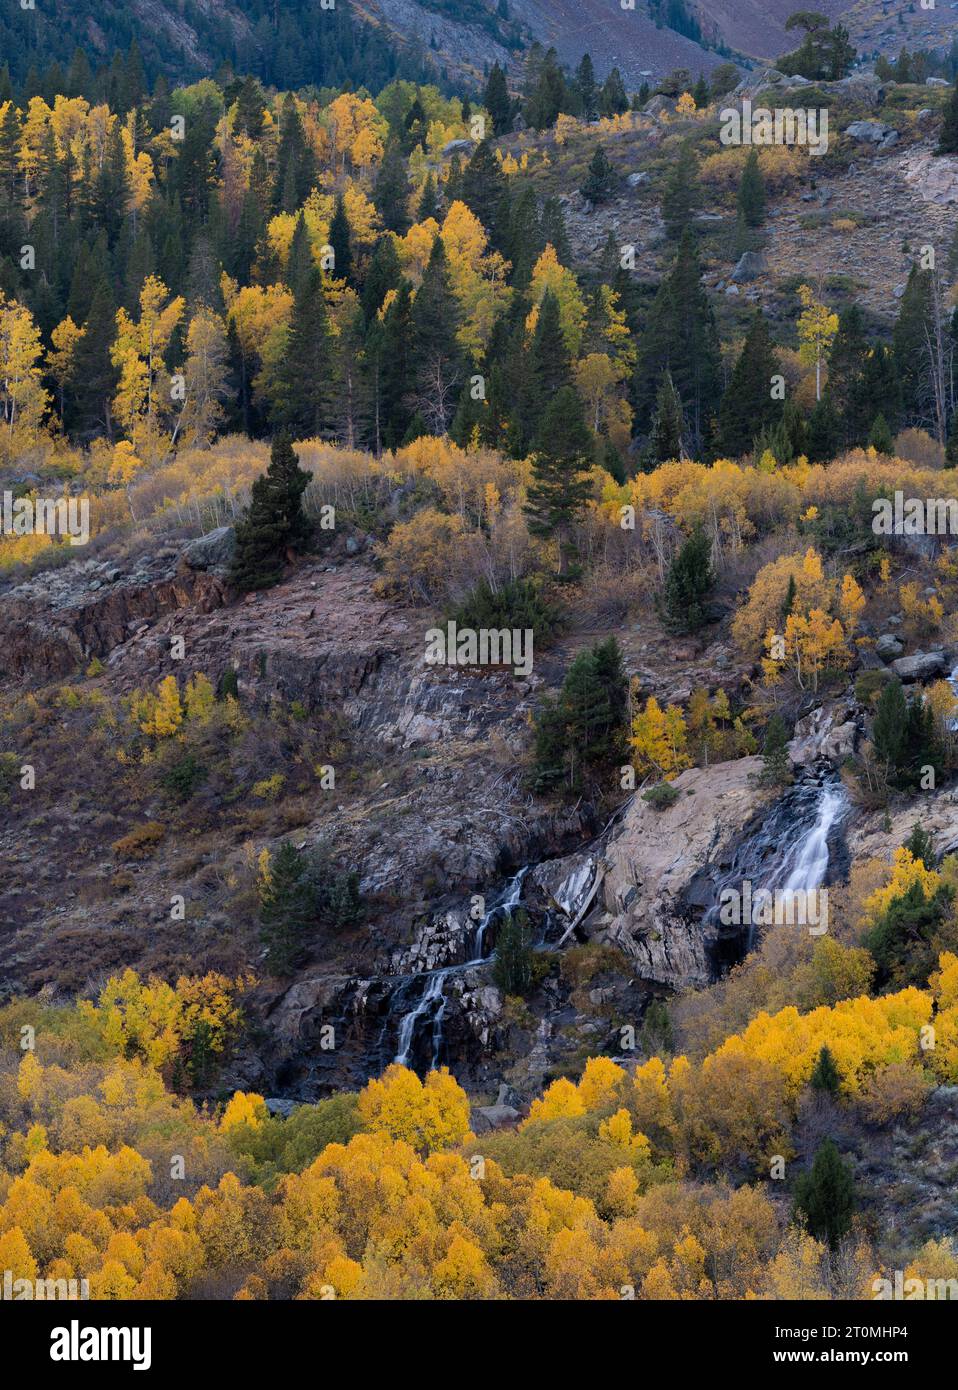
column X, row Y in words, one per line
column 600, row 181
column 428, row 201
column 825, row 1196
column 274, row 522
column 551, row 366
column 776, row 765
column 342, row 268
column 826, row 1077
column 287, row 910
column 497, row 101
column 748, row 406
column 436, row 358
column 681, row 194
column 688, row 583
column 613, row 99
column 560, row 485
column 879, row 437
column 948, row 137
column 665, row 438
column 587, row 88
column 391, row 191
column 482, row 184
column 512, row 967
column 751, row 192
column 305, row 380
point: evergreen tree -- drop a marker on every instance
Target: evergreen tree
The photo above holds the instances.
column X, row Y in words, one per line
column 429, row 201
column 554, row 230
column 587, row 88
column 681, row 194
column 305, row 378
column 560, row 484
column 287, row 910
column 497, row 101
column 383, row 274
column 391, row 191
column 665, row 439
column 701, row 93
column 582, row 733
column 826, row 1077
column 436, row 357
column 910, row 343
column 776, row 764
column 921, row 846
column 613, row 100
column 846, row 369
column 751, row 192
column 274, row 521
column 879, row 436
column 948, row 136
column 339, row 241
column 688, row 583
column 482, row 185
column 888, row 727
column 825, row 1196
column 551, row 365
column 512, row 967
column 681, row 338
column 747, row 406
column 600, row 182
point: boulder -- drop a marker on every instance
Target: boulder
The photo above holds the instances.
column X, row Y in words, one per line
column 488, row 1117
column 870, row 132
column 828, row 732
column 457, row 147
column 214, row 551
column 636, row 180
column 921, row 666
column 751, row 266
column 935, row 179
column 889, row 646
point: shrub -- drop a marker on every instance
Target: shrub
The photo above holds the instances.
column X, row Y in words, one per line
column 140, row 842
column 182, row 778
column 516, row 604
column 661, row 796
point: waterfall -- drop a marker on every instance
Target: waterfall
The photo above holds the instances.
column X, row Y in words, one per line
column 431, row 1004
column 790, row 853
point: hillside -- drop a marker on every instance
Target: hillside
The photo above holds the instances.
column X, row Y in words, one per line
column 478, row 671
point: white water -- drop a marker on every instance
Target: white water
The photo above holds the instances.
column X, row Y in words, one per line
column 810, row 863
column 432, row 1000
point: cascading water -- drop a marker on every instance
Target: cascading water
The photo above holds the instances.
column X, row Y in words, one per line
column 430, row 1008
column 793, row 852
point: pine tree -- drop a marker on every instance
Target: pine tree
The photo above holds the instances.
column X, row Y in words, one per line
column 681, row 338
column 587, row 88
column 287, row 910
column 613, row 99
column 910, row 342
column 920, row 845
column 776, row 764
column 825, row 1196
column 751, row 192
column 551, row 365
column 701, row 93
column 560, row 485
column 391, row 191
column 482, row 184
column 583, row 731
column 879, row 437
column 681, row 194
column 665, row 438
column 846, row 370
column 436, row 357
column 948, row 137
column 512, row 968
column 305, row 379
column 428, row 201
column 274, row 521
column 688, row 583
column 554, row 230
column 889, row 725
column 600, row 182
column 826, row 1077
column 383, row 274
column 747, row 406
column 497, row 101
column 342, row 268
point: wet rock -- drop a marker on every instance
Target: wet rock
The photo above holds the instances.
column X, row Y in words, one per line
column 827, row 732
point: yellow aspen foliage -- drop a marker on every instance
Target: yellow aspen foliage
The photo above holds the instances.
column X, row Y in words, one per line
column 29, row 1076
column 430, row 1116
column 561, row 1100
column 463, row 1272
column 15, row 1255
column 817, row 327
column 659, row 741
column 162, row 714
column 923, row 615
column 906, row 871
column 621, row 1192
column 944, row 982
column 244, row 1108
column 851, row 602
column 685, row 106
column 617, row 1130
column 601, row 1082
column 199, row 698
column 550, row 276
column 813, row 644
column 23, row 401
